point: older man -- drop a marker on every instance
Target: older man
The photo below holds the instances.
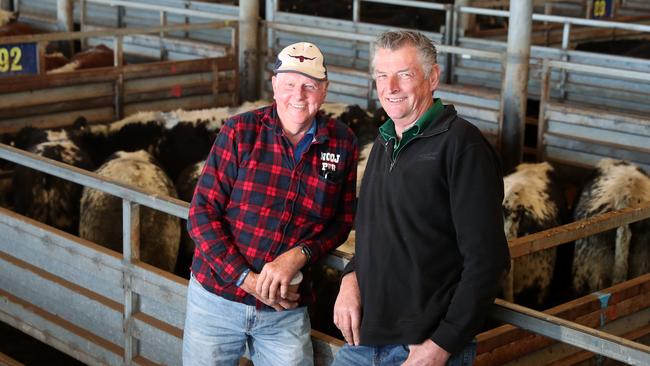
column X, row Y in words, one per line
column 430, row 246
column 277, row 193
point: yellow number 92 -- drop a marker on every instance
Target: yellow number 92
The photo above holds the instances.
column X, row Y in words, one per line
column 10, row 59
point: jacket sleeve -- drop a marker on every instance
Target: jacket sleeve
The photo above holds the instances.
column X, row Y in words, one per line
column 339, row 228
column 476, row 195
column 205, row 222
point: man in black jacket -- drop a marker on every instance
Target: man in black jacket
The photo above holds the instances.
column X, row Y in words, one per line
column 430, row 246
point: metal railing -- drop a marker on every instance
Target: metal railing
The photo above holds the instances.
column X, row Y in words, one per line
column 132, row 198
column 117, row 34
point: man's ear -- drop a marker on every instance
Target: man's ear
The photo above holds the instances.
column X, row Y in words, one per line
column 273, row 81
column 434, row 76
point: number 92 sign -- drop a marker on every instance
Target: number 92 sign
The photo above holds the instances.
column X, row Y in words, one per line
column 18, row 59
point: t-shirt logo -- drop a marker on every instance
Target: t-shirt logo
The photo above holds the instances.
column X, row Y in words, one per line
column 328, row 162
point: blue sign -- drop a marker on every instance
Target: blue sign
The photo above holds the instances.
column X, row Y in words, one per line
column 18, row 59
column 602, row 9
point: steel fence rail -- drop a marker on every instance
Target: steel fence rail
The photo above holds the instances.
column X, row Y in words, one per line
column 370, row 39
column 603, row 343
column 109, row 185
column 162, row 8
column 559, row 19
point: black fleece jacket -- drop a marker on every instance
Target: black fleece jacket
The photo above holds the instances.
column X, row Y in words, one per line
column 430, row 246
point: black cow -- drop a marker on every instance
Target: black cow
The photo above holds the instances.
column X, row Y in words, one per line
column 614, row 256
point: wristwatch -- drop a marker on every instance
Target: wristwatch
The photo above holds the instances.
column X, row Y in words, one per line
column 306, row 251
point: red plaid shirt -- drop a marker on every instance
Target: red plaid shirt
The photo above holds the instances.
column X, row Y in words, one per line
column 253, row 201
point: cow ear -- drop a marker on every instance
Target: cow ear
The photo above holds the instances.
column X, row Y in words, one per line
column 81, row 123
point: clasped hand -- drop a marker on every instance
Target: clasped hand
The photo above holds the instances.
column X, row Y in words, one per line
column 271, row 285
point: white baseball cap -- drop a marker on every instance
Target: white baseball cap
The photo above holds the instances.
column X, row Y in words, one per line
column 304, row 58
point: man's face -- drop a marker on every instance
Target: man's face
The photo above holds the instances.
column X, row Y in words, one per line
column 403, row 90
column 298, row 97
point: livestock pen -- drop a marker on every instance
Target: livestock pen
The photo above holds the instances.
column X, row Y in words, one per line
column 107, row 94
column 103, row 308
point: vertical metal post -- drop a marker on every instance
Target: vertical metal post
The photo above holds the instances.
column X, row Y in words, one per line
column 41, row 46
column 449, row 33
column 543, row 100
column 565, row 46
column 16, row 5
column 464, row 21
column 65, row 23
column 83, row 8
column 455, row 33
column 120, row 14
column 515, row 82
column 215, row 83
column 371, row 55
column 271, row 9
column 356, row 10
column 163, row 23
column 248, row 31
column 131, row 253
column 118, row 61
column 117, row 51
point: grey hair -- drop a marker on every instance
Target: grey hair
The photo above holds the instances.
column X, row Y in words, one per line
column 394, row 40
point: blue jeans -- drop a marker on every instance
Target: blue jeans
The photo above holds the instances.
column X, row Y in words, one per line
column 394, row 354
column 217, row 332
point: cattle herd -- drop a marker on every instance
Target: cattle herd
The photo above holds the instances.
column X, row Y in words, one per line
column 163, row 152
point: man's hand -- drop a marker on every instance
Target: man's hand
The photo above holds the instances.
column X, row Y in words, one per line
column 426, row 353
column 290, row 301
column 275, row 276
column 347, row 309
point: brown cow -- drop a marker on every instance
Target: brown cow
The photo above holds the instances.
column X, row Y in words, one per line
column 98, row 56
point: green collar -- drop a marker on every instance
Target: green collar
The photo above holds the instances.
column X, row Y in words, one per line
column 387, row 130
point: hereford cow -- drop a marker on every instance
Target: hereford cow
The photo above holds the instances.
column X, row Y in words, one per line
column 614, row 256
column 43, row 197
column 185, row 185
column 98, row 56
column 101, row 213
column 533, row 201
column 10, row 26
column 7, row 17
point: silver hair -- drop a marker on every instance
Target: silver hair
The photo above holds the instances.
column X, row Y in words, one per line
column 394, row 40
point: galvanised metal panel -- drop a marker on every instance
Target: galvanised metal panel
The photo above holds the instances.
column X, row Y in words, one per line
column 478, row 64
column 589, row 159
column 74, row 259
column 59, row 334
column 347, row 89
column 342, row 77
column 599, row 118
column 84, row 309
column 157, row 344
column 618, row 104
column 341, row 25
column 634, row 88
column 160, row 308
column 45, row 8
column 606, row 135
column 613, row 61
column 347, row 99
column 475, row 101
column 592, row 151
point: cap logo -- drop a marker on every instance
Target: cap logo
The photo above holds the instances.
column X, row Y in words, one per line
column 302, row 58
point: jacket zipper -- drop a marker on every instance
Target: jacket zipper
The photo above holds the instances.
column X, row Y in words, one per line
column 394, row 161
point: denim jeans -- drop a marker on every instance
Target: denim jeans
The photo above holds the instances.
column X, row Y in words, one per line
column 393, row 355
column 217, row 332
